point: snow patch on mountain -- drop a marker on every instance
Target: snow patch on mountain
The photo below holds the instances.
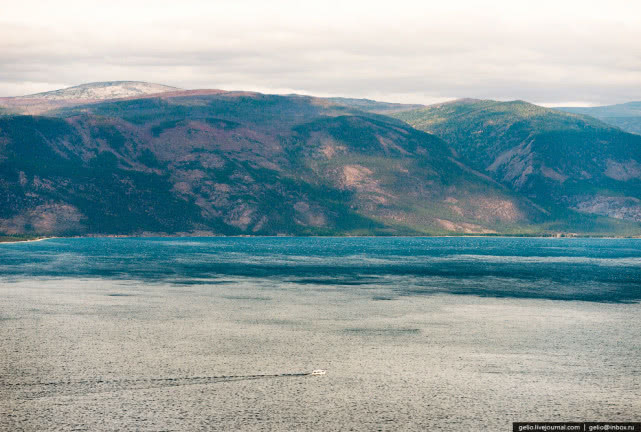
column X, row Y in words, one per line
column 103, row 91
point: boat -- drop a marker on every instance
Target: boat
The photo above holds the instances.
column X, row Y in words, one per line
column 318, row 372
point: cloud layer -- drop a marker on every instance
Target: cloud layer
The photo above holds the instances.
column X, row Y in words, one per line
column 547, row 52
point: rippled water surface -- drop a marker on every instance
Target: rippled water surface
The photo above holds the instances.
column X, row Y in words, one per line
column 415, row 333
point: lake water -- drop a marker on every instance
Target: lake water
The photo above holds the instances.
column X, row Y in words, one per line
column 415, row 333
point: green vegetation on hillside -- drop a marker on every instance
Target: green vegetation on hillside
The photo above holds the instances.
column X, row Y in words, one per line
column 559, row 160
column 251, row 164
column 240, row 164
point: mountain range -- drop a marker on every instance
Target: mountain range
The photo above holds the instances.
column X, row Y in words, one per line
column 130, row 158
column 626, row 116
column 554, row 158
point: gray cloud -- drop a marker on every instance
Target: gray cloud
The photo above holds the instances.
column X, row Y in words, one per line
column 409, row 51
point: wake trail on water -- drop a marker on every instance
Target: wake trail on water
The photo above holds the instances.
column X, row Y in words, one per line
column 54, row 388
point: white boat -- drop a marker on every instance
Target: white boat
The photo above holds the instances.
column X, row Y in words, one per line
column 318, row 372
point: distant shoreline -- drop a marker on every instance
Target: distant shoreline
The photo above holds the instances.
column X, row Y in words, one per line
column 8, row 240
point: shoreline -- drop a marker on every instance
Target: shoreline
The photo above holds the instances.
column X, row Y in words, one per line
column 605, row 237
column 27, row 240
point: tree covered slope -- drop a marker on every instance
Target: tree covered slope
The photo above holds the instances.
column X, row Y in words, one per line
column 217, row 162
column 554, row 158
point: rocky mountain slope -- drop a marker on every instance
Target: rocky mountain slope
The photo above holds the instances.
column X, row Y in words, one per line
column 242, row 163
column 626, row 116
column 215, row 162
column 553, row 158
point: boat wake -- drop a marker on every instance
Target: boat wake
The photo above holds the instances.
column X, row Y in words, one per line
column 38, row 390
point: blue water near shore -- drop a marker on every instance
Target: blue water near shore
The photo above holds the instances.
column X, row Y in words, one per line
column 600, row 270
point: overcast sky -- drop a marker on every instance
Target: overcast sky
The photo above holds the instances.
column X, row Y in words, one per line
column 550, row 52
